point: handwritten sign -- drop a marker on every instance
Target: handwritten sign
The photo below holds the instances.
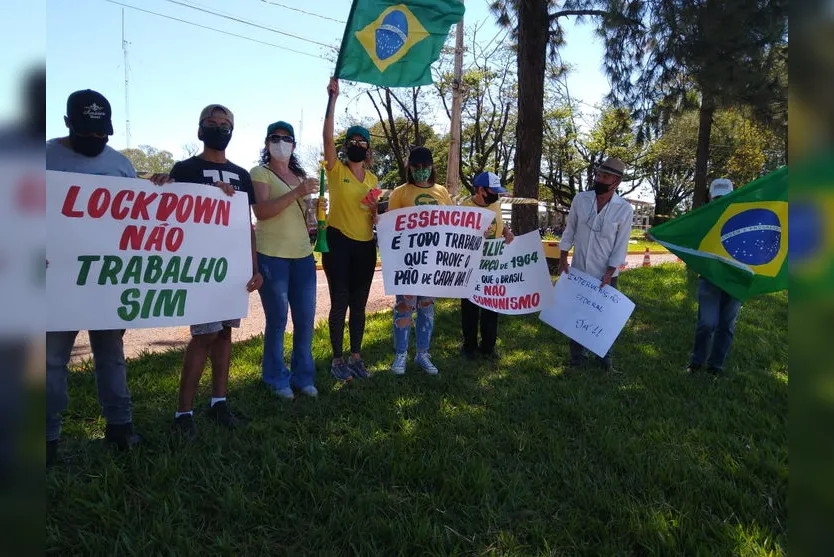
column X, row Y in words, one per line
column 591, row 316
column 432, row 250
column 124, row 253
column 514, row 278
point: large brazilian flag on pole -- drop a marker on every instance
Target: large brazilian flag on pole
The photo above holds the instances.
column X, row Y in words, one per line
column 739, row 242
column 393, row 44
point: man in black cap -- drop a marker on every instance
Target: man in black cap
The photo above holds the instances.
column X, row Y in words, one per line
column 85, row 151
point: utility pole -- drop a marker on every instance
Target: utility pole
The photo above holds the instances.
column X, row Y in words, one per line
column 127, row 97
column 453, row 166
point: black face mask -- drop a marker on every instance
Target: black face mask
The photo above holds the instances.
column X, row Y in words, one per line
column 87, row 146
column 600, row 188
column 490, row 198
column 214, row 138
column 355, row 153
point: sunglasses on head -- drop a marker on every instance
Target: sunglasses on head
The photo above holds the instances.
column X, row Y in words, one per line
column 357, row 142
column 274, row 138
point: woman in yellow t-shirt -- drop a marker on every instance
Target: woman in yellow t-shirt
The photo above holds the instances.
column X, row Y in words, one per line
column 351, row 261
column 285, row 260
column 420, row 189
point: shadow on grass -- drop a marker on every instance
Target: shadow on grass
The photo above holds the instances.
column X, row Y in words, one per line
column 516, row 457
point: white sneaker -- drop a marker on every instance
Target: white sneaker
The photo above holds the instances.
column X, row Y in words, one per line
column 285, row 393
column 423, row 360
column 310, row 391
column 398, row 367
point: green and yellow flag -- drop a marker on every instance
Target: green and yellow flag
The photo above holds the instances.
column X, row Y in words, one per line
column 739, row 242
column 393, row 44
column 812, row 227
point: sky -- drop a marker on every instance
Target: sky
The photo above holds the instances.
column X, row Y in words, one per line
column 175, row 68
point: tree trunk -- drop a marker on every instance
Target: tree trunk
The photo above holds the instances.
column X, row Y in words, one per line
column 415, row 91
column 533, row 24
column 702, row 154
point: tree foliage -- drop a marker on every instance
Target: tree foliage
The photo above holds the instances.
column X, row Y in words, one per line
column 149, row 159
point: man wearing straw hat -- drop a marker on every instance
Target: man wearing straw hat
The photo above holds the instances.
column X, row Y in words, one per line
column 598, row 228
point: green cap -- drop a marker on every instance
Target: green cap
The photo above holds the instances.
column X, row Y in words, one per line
column 358, row 130
column 280, row 125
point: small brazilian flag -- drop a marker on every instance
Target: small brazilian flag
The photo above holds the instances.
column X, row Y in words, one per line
column 393, row 44
column 739, row 242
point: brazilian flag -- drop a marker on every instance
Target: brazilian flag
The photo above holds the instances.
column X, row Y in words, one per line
column 812, row 227
column 393, row 44
column 739, row 242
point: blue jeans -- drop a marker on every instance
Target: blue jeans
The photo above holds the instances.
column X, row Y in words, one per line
column 403, row 316
column 717, row 313
column 288, row 284
column 111, row 377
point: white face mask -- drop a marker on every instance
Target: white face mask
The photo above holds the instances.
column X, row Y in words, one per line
column 281, row 150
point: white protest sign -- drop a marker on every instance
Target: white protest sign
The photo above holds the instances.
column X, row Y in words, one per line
column 513, row 278
column 591, row 316
column 432, row 250
column 124, row 253
column 22, row 247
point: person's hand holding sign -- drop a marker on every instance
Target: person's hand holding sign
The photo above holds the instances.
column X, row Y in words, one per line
column 606, row 278
column 564, row 267
column 227, row 188
column 160, row 179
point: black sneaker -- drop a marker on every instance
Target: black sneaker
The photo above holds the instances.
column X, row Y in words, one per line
column 357, row 367
column 693, row 368
column 121, row 436
column 51, row 453
column 185, row 427
column 716, row 371
column 491, row 355
column 607, row 365
column 341, row 371
column 221, row 414
column 468, row 354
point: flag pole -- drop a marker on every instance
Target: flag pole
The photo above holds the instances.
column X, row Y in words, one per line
column 453, row 165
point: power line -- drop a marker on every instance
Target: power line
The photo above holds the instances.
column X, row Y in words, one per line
column 246, row 22
column 218, row 30
column 302, row 11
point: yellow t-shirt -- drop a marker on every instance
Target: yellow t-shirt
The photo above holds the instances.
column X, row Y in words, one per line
column 347, row 213
column 496, row 229
column 285, row 234
column 409, row 195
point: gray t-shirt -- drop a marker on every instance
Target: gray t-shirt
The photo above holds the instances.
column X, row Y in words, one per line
column 107, row 163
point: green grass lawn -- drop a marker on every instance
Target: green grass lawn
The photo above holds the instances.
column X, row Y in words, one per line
column 516, row 458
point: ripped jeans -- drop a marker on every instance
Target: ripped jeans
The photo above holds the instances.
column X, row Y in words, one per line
column 403, row 316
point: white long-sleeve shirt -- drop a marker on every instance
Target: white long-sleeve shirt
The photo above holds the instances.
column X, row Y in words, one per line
column 600, row 238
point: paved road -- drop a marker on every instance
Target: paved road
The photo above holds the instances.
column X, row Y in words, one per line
column 158, row 340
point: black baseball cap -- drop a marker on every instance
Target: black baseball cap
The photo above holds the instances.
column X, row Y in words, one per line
column 420, row 155
column 89, row 112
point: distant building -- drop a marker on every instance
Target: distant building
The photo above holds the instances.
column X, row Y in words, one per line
column 550, row 217
column 643, row 214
